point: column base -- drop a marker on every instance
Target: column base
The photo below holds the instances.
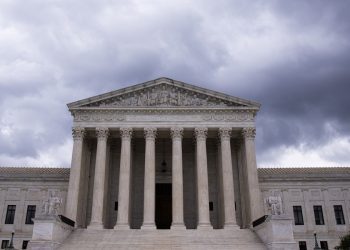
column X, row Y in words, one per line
column 149, row 226
column 178, row 226
column 122, row 227
column 204, row 226
column 231, row 226
column 95, row 226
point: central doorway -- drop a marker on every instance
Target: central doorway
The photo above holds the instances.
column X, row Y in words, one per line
column 163, row 205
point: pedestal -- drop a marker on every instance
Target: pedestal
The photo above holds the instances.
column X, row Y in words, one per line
column 49, row 233
column 277, row 232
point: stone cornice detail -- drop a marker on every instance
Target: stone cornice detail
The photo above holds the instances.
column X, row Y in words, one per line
column 150, row 133
column 164, row 115
column 102, row 133
column 225, row 133
column 201, row 133
column 176, row 133
column 126, row 133
column 78, row 133
column 249, row 133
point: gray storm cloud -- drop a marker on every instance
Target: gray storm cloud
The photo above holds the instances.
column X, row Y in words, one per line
column 291, row 56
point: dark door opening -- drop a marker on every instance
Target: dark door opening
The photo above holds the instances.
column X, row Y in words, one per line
column 163, row 205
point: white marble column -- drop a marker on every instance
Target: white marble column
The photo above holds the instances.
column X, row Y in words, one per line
column 100, row 179
column 150, row 178
column 124, row 180
column 75, row 175
column 227, row 178
column 253, row 190
column 202, row 178
column 177, row 179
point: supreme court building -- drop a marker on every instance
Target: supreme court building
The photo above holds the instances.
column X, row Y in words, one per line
column 168, row 165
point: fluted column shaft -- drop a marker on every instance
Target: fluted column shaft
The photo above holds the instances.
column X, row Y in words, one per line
column 252, row 181
column 227, row 178
column 150, row 176
column 100, row 179
column 177, row 179
column 75, row 175
column 123, row 220
column 202, row 178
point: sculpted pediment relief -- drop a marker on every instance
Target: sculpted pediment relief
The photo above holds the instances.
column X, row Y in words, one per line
column 163, row 96
column 163, row 92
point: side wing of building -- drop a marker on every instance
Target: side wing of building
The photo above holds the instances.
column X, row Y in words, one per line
column 317, row 200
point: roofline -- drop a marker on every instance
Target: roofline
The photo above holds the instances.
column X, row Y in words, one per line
column 157, row 81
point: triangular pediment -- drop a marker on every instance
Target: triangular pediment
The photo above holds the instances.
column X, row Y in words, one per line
column 163, row 93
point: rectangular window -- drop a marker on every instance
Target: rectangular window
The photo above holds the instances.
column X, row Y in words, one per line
column 298, row 215
column 10, row 214
column 4, row 244
column 318, row 215
column 324, row 245
column 302, row 245
column 30, row 214
column 339, row 215
column 25, row 244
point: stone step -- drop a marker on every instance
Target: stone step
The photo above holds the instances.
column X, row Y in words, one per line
column 163, row 239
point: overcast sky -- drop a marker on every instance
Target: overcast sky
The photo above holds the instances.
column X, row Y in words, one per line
column 291, row 56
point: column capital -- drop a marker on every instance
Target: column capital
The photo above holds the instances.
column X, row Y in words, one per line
column 176, row 133
column 78, row 133
column 248, row 133
column 225, row 133
column 201, row 133
column 102, row 133
column 150, row 133
column 125, row 133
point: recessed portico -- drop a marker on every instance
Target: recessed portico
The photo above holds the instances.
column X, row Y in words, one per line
column 199, row 141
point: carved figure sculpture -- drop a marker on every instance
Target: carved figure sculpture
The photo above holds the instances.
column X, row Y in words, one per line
column 51, row 205
column 274, row 204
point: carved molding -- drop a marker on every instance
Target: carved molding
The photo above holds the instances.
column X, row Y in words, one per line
column 102, row 133
column 201, row 133
column 162, row 115
column 78, row 133
column 225, row 133
column 126, row 133
column 164, row 95
column 176, row 133
column 248, row 133
column 150, row 133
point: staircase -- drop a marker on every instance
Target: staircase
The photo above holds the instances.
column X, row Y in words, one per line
column 163, row 239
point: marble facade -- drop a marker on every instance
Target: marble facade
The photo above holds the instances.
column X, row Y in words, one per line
column 169, row 155
column 153, row 113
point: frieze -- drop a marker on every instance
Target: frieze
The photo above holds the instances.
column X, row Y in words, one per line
column 163, row 95
column 160, row 115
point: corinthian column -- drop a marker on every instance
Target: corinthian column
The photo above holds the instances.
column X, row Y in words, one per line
column 202, row 178
column 124, row 180
column 255, row 209
column 100, row 179
column 75, row 175
column 227, row 178
column 177, row 179
column 150, row 178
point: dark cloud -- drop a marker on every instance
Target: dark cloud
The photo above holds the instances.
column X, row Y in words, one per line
column 291, row 56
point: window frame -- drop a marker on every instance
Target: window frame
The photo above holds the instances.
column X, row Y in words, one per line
column 302, row 243
column 298, row 215
column 10, row 215
column 318, row 214
column 25, row 244
column 340, row 214
column 4, row 243
column 30, row 214
column 322, row 242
